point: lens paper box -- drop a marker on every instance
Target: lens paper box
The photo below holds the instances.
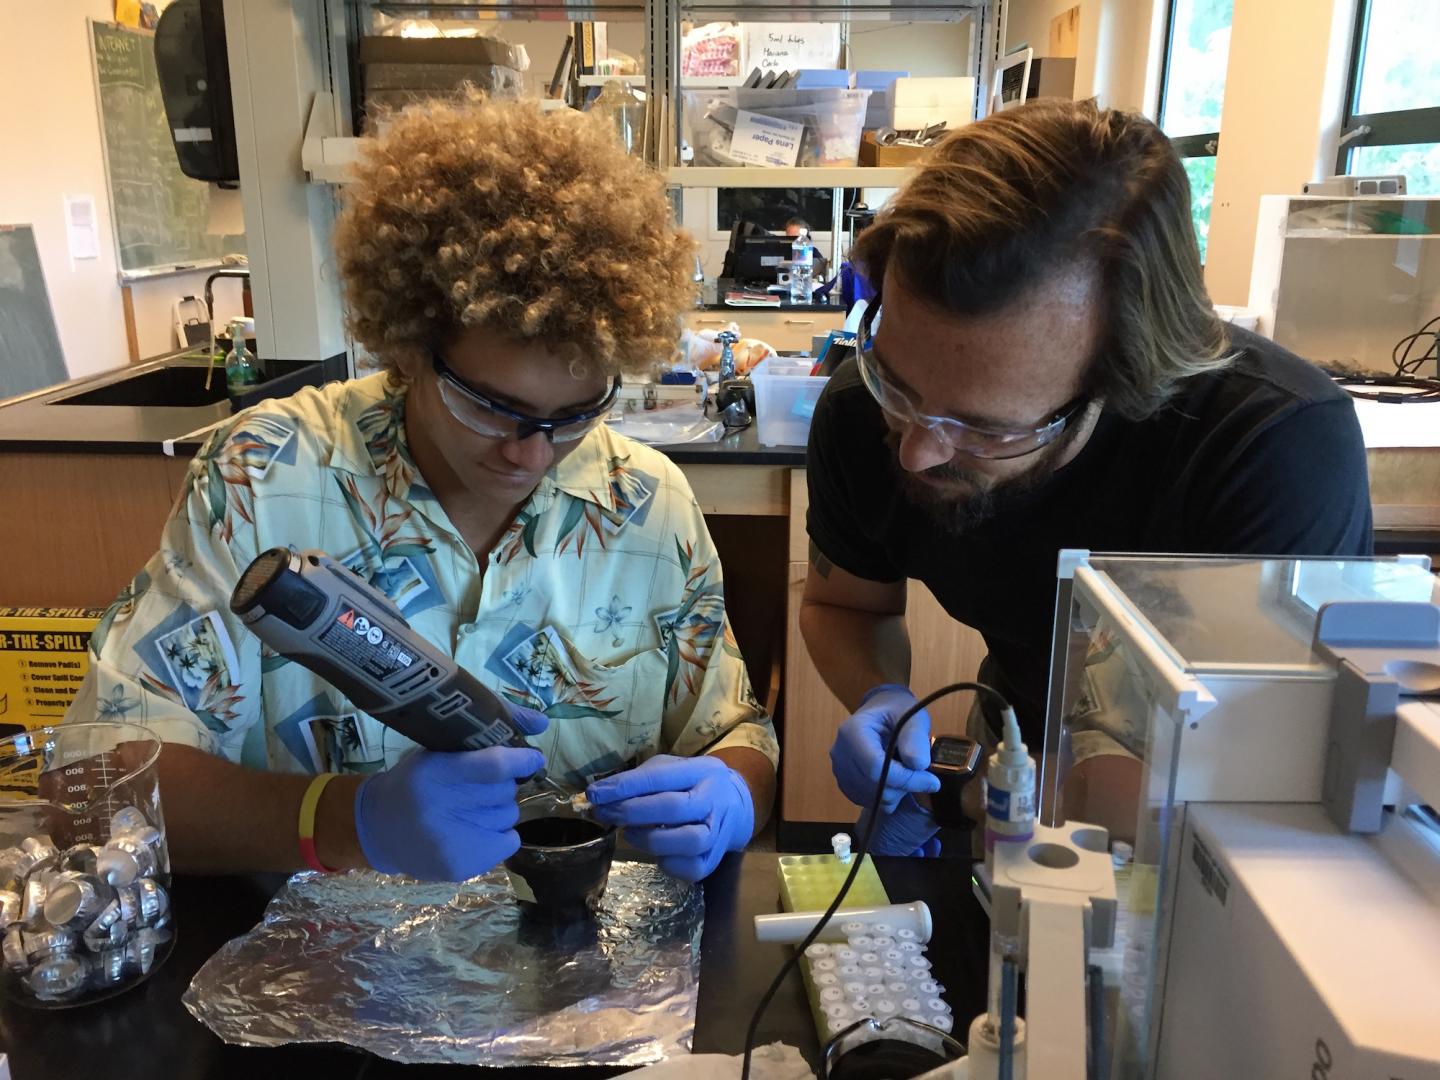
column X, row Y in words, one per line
column 44, row 655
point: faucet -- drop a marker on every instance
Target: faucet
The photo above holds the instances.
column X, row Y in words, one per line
column 228, row 271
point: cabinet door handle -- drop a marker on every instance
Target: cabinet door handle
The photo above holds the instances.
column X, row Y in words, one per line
column 799, row 322
column 709, row 322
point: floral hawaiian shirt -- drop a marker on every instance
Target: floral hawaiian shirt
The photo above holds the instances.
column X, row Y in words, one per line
column 601, row 606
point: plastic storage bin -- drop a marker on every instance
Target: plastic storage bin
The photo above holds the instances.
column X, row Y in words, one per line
column 833, row 120
column 84, row 869
column 785, row 397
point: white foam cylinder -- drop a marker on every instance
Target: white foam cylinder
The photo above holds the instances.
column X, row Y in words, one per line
column 793, row 926
column 984, row 1049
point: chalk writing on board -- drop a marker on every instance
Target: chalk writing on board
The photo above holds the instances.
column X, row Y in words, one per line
column 160, row 214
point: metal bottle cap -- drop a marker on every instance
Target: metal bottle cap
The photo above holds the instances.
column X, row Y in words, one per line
column 98, row 939
column 148, row 835
column 117, row 867
column 50, row 942
column 124, row 859
column 140, row 954
column 109, row 915
column 79, row 859
column 16, row 958
column 154, row 901
column 33, row 900
column 10, row 903
column 127, row 818
column 58, row 976
column 73, row 903
column 110, row 966
column 13, row 863
column 129, row 899
column 39, row 848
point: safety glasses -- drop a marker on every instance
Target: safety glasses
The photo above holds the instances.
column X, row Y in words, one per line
column 493, row 420
column 959, row 435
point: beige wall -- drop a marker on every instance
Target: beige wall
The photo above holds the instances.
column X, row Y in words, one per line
column 50, row 147
column 1118, row 56
column 1284, row 92
column 925, row 50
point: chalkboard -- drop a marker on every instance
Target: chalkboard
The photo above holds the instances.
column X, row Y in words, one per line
column 160, row 214
column 30, row 356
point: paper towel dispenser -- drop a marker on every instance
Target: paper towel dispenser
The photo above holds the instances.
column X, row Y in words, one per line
column 194, row 72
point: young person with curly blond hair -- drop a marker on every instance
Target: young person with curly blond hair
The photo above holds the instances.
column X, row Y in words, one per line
column 506, row 267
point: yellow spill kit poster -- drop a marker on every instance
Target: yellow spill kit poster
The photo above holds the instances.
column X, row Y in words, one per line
column 44, row 654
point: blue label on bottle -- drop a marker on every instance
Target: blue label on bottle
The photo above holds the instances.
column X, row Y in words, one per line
column 997, row 803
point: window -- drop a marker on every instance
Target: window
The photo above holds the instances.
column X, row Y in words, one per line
column 1392, row 115
column 773, row 208
column 1192, row 90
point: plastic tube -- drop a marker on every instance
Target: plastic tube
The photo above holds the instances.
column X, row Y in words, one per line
column 792, row 927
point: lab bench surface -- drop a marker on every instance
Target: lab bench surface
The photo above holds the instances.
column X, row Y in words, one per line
column 148, row 1033
column 43, row 423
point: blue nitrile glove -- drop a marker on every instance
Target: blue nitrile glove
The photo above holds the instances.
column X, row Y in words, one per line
column 447, row 815
column 688, row 810
column 859, row 749
column 909, row 829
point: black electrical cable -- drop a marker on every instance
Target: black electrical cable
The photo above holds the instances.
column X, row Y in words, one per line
column 1405, row 365
column 1407, row 386
column 857, row 856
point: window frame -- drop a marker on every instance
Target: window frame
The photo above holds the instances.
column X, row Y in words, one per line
column 1401, row 127
column 1205, row 144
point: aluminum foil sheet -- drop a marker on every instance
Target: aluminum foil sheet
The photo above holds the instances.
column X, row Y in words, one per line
column 430, row 972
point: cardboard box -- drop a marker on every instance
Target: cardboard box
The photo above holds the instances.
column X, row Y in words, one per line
column 471, row 51
column 919, row 102
column 885, row 157
column 44, row 655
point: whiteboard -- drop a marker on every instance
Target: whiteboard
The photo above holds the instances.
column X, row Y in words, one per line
column 160, row 215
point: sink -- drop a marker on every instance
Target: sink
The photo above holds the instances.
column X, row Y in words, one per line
column 183, row 386
column 177, row 387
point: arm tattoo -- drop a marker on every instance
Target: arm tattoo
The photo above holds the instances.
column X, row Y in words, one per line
column 822, row 565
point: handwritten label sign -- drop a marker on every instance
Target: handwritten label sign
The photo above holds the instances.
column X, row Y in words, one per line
column 792, row 46
column 763, row 140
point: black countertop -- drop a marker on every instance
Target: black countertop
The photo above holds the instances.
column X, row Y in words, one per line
column 785, row 305
column 714, row 296
column 147, row 1031
column 35, row 423
column 740, row 448
column 41, row 423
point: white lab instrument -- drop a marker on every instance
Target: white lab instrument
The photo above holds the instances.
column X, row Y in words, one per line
column 1274, row 724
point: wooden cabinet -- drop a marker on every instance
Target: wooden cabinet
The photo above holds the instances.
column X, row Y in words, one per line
column 77, row 527
column 784, row 331
column 942, row 651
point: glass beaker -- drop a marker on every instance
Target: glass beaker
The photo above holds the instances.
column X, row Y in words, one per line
column 84, row 867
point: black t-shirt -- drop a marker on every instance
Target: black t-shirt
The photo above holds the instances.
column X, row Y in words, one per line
column 1262, row 458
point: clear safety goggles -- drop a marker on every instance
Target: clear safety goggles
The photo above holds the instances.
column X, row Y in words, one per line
column 975, row 440
column 489, row 418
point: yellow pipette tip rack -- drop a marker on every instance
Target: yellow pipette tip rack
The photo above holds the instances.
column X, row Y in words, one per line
column 810, row 882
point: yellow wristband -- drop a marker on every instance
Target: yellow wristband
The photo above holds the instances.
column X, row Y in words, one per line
column 308, row 805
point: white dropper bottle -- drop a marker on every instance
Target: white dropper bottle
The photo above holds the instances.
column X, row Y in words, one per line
column 1009, row 790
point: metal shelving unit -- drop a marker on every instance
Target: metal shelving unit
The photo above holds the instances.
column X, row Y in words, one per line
column 666, row 97
column 327, row 154
column 757, row 177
